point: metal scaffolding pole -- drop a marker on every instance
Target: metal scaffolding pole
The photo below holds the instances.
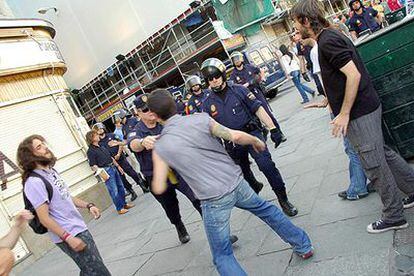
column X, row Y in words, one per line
column 96, row 96
column 178, row 42
column 176, row 64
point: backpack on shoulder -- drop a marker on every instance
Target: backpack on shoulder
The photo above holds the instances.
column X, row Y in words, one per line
column 35, row 224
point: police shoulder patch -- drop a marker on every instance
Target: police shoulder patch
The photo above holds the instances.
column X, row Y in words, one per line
column 144, row 98
column 213, row 108
column 251, row 96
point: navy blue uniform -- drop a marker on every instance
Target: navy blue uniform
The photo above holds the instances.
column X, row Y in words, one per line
column 237, row 111
column 168, row 199
column 129, row 126
column 249, row 74
column 122, row 161
column 194, row 104
column 359, row 23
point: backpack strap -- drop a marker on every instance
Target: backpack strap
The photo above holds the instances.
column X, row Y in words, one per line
column 48, row 186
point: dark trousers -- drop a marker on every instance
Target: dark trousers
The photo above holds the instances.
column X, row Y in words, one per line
column 318, row 83
column 129, row 170
column 240, row 154
column 169, row 201
column 260, row 96
column 89, row 260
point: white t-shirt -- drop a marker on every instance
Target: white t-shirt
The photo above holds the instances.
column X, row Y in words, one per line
column 291, row 65
column 315, row 59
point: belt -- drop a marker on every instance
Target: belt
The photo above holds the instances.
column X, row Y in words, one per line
column 109, row 165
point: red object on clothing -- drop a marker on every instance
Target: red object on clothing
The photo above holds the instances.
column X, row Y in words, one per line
column 394, row 5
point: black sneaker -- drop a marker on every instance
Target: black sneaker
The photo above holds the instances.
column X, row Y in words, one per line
column 381, row 226
column 342, row 194
column 408, row 202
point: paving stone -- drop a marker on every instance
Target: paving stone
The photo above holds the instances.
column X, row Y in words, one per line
column 269, row 264
column 374, row 263
column 404, row 263
column 173, row 259
column 128, row 266
column 308, row 181
column 331, row 208
column 345, row 238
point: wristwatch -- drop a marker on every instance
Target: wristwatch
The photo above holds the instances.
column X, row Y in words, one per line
column 90, row 205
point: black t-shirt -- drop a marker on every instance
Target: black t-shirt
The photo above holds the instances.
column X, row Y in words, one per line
column 99, row 156
column 335, row 51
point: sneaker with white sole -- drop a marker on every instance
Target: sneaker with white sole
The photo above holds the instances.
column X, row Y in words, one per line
column 408, row 202
column 381, row 226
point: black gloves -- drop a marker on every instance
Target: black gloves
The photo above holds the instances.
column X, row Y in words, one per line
column 276, row 136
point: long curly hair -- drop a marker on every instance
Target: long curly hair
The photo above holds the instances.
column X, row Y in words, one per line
column 27, row 160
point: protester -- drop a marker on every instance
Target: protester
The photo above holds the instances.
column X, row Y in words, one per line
column 316, row 69
column 55, row 208
column 8, row 242
column 100, row 158
column 357, row 110
column 219, row 182
column 291, row 64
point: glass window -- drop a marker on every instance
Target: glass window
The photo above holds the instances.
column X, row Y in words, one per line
column 267, row 54
column 256, row 58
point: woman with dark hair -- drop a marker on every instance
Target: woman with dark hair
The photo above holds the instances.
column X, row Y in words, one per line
column 291, row 63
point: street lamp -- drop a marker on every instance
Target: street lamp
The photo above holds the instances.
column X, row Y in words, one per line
column 46, row 9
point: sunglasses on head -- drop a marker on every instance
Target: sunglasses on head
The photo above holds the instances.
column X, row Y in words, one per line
column 215, row 76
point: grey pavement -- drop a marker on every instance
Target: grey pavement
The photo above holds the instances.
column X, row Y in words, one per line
column 314, row 167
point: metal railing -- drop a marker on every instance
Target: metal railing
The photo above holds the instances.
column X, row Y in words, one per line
column 153, row 68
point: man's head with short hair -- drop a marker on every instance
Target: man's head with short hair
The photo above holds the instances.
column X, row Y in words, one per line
column 91, row 137
column 162, row 104
column 309, row 17
column 34, row 151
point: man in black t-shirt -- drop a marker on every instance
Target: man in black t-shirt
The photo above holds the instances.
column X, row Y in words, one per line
column 357, row 111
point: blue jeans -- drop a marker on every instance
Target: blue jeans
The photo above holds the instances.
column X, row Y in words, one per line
column 115, row 188
column 358, row 185
column 216, row 219
column 300, row 86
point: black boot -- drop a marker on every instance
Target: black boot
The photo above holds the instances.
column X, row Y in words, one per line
column 133, row 195
column 143, row 183
column 286, row 206
column 131, row 192
column 182, row 233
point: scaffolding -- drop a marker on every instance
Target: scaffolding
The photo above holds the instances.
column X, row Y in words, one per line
column 173, row 51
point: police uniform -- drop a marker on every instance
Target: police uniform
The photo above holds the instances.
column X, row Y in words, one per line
column 129, row 126
column 248, row 75
column 364, row 21
column 168, row 199
column 123, row 163
column 194, row 104
column 236, row 110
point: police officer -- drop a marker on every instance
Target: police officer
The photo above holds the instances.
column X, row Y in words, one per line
column 363, row 19
column 115, row 147
column 250, row 77
column 193, row 86
column 141, row 142
column 128, row 124
column 236, row 107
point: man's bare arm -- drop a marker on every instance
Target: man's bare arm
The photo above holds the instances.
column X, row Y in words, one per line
column 160, row 174
column 353, row 78
column 235, row 136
